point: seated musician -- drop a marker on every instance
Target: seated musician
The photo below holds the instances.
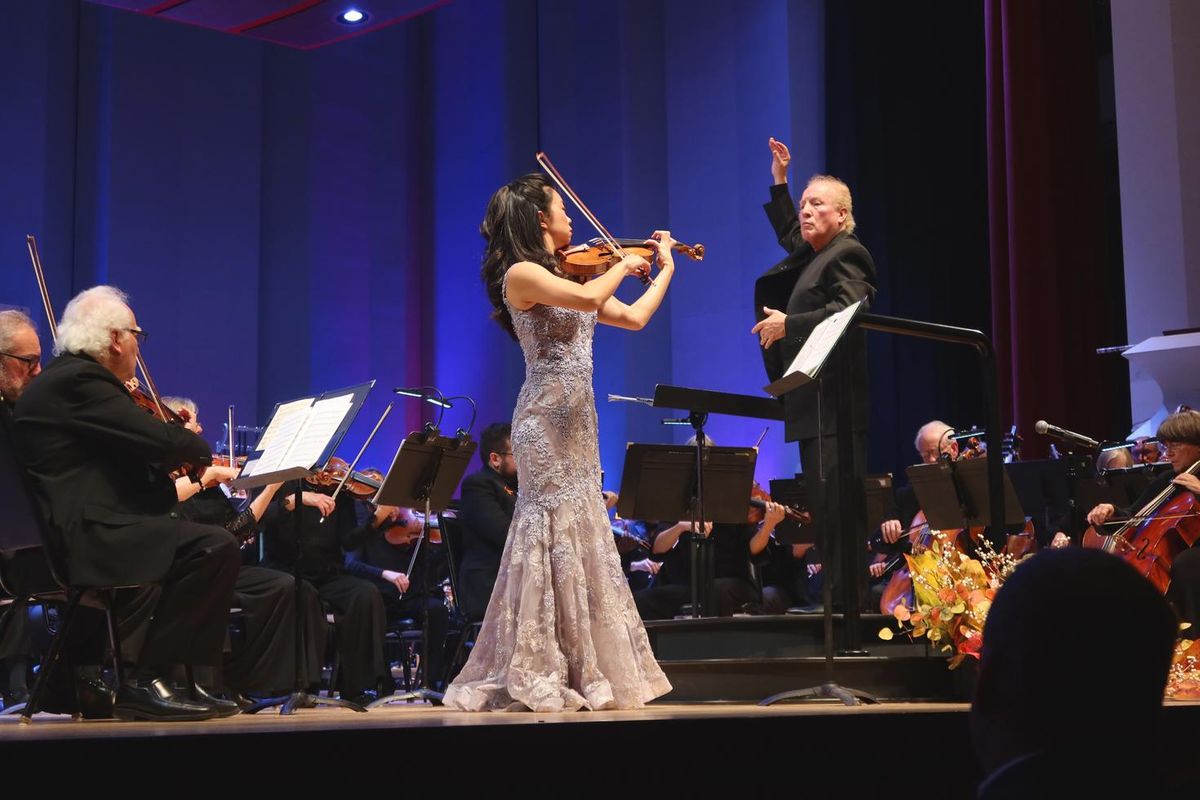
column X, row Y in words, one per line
column 20, row 362
column 1117, row 458
column 384, row 557
column 733, row 546
column 98, row 460
column 263, row 661
column 934, row 441
column 356, row 602
column 1180, row 433
column 489, row 496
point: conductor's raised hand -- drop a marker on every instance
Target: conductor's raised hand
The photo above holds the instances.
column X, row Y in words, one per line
column 780, row 158
column 771, row 329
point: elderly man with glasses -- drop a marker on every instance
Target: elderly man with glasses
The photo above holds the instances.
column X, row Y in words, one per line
column 101, row 464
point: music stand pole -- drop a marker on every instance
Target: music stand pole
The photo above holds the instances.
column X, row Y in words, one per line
column 300, row 697
column 831, row 690
column 699, row 539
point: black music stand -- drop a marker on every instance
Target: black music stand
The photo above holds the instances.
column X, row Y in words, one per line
column 699, row 403
column 663, row 482
column 425, row 472
column 954, row 494
column 300, row 696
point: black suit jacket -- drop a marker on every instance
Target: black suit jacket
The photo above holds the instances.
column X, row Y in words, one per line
column 486, row 511
column 808, row 287
column 94, row 456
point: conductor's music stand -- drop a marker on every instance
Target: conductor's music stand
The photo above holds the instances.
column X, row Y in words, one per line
column 425, row 472
column 660, row 482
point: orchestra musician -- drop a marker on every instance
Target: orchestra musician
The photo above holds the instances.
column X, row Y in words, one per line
column 356, row 602
column 489, row 496
column 100, row 463
column 1180, row 434
column 934, row 441
column 383, row 557
column 826, row 269
column 20, row 362
column 263, row 662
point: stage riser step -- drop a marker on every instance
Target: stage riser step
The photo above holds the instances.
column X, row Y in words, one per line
column 751, row 680
column 770, row 637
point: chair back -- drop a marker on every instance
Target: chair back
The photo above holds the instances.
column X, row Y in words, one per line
column 26, row 539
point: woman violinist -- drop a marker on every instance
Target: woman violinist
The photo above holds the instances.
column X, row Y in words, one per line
column 1180, row 433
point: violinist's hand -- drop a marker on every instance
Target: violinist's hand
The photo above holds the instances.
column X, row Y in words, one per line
column 876, row 568
column 322, row 502
column 663, row 241
column 780, row 158
column 1060, row 541
column 213, row 476
column 634, row 265
column 610, row 499
column 384, row 515
column 891, row 530
column 1188, row 481
column 773, row 514
column 771, row 329
column 1101, row 513
column 687, row 525
column 645, row 565
column 813, row 569
column 397, row 579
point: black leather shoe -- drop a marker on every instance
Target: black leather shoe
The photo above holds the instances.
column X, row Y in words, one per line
column 88, row 697
column 201, row 696
column 151, row 699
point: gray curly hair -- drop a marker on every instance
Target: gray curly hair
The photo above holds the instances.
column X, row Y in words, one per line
column 89, row 319
column 11, row 321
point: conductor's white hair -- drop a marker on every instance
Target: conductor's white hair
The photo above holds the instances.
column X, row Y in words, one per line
column 90, row 318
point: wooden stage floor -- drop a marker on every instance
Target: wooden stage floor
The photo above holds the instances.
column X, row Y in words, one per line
column 696, row 750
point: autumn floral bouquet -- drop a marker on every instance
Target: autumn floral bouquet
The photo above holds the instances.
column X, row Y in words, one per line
column 952, row 594
column 1183, row 682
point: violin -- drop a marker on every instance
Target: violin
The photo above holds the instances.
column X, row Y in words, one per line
column 362, row 484
column 627, row 537
column 597, row 256
column 759, row 497
column 407, row 528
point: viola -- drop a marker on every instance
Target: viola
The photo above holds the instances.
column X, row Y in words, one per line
column 1150, row 539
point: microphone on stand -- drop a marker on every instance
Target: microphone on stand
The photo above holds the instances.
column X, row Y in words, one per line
column 1062, row 434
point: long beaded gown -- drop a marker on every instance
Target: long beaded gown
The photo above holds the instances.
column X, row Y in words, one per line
column 561, row 631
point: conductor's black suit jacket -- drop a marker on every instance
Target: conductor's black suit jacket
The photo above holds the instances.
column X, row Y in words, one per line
column 808, row 287
column 94, row 456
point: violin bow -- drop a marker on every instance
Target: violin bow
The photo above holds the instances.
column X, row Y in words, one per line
column 544, row 162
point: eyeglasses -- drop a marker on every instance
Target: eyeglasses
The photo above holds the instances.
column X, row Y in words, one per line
column 503, row 452
column 29, row 361
column 141, row 334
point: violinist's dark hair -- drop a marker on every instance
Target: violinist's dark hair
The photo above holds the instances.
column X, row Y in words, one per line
column 510, row 228
column 1182, row 426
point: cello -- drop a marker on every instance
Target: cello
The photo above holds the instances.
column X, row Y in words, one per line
column 1160, row 530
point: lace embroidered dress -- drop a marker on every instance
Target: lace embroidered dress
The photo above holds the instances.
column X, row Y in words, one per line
column 561, row 631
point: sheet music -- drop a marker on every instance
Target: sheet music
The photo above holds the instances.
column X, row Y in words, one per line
column 822, row 340
column 288, row 419
column 324, row 417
